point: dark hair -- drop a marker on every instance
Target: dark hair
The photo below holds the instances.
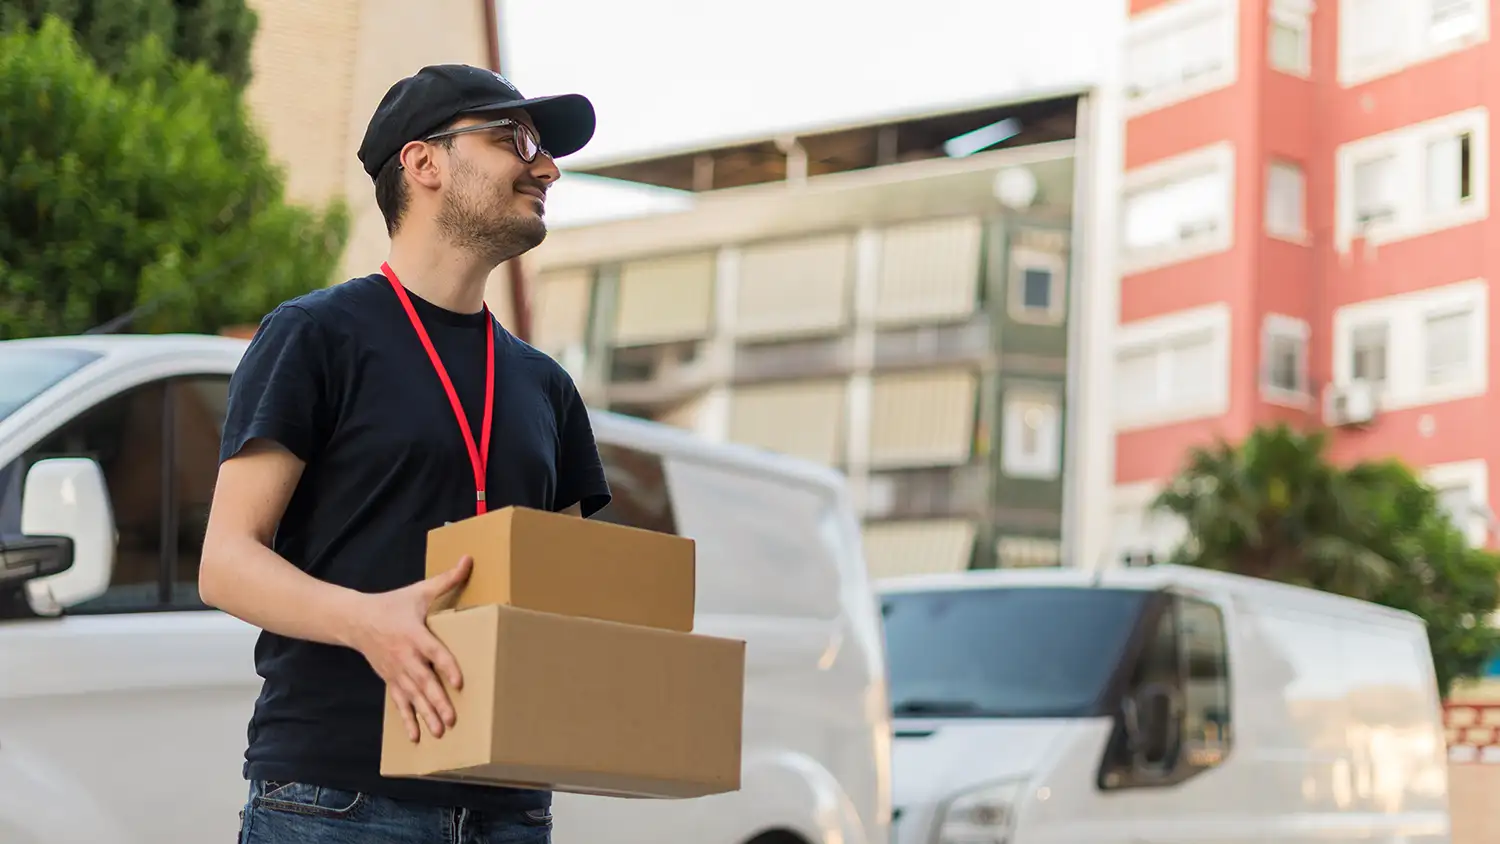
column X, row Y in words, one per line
column 390, row 189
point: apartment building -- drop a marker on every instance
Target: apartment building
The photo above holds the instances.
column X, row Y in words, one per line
column 855, row 296
column 1305, row 236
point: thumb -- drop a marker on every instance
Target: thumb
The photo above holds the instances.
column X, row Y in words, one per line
column 450, row 579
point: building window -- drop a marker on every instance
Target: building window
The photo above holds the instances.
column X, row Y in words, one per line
column 1178, row 51
column 1462, row 490
column 1374, row 199
column 1289, row 43
column 1284, row 358
column 1179, row 209
column 1368, row 352
column 1453, row 20
column 1381, row 37
column 1031, row 435
column 1415, row 180
column 1446, row 329
column 1285, row 203
column 1450, row 171
column 1448, row 346
column 1173, row 368
column 1037, row 282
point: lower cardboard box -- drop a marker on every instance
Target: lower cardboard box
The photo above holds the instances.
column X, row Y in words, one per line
column 580, row 705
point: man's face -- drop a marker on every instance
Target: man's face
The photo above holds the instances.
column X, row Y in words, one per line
column 492, row 201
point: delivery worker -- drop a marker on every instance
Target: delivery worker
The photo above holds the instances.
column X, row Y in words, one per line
column 367, row 413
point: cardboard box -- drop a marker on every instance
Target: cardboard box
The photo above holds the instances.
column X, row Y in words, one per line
column 563, row 564
column 580, row 705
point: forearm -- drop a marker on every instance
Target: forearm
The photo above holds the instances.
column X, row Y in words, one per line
column 255, row 584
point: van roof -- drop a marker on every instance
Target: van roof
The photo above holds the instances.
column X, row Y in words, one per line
column 1254, row 590
column 125, row 351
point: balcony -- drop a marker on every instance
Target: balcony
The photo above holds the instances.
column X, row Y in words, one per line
column 661, row 375
column 929, row 493
column 775, row 361
column 935, row 345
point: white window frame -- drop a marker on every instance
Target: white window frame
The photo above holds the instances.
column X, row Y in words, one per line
column 1023, row 259
column 1217, row 159
column 1046, row 462
column 1155, row 33
column 1283, row 175
column 1164, row 531
column 1474, row 475
column 1282, row 327
column 1296, row 16
column 1158, row 334
column 1407, row 181
column 1405, row 316
column 1414, row 38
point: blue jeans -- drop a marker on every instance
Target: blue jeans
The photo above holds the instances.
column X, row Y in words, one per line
column 295, row 813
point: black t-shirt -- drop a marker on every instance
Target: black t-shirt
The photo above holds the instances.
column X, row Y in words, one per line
column 339, row 377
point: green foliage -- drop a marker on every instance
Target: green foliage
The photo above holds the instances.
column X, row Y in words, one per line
column 1275, row 507
column 218, row 33
column 150, row 188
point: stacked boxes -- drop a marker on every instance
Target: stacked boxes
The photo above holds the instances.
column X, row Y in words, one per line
column 581, row 672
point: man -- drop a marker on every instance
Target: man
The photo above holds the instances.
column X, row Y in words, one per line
column 362, row 416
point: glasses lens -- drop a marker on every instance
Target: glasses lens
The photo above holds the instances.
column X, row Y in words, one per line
column 526, row 142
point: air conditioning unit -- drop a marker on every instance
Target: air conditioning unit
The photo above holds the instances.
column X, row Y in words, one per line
column 1350, row 404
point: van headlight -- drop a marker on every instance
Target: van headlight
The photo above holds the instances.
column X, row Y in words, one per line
column 982, row 816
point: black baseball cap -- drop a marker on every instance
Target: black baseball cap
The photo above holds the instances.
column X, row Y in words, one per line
column 427, row 100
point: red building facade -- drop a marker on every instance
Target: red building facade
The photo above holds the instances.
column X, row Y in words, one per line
column 1306, row 237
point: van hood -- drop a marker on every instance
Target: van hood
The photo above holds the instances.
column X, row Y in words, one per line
column 932, row 760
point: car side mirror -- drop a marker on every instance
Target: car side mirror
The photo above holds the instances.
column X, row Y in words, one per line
column 66, row 498
column 1153, row 726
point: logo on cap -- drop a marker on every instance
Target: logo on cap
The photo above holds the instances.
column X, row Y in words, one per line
column 502, row 80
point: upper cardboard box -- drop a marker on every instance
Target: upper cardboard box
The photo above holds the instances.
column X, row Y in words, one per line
column 551, row 562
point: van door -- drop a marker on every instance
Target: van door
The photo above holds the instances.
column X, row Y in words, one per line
column 130, row 702
column 1170, row 772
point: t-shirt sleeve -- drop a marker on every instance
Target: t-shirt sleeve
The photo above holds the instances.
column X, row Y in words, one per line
column 280, row 389
column 580, row 472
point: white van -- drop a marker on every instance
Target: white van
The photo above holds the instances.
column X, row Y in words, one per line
column 1158, row 705
column 124, row 701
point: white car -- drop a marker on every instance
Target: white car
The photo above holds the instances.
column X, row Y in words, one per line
column 1158, row 705
column 124, row 701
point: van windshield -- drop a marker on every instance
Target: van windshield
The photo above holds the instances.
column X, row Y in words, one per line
column 27, row 371
column 1005, row 652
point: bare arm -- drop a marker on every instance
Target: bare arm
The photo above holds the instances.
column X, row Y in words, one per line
column 242, row 576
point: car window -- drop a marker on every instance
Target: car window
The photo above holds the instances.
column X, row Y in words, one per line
column 157, row 445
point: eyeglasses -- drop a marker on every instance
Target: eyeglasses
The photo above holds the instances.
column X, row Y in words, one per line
column 526, row 142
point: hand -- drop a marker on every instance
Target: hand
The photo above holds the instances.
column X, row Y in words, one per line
column 391, row 632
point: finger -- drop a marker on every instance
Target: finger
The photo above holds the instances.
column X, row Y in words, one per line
column 442, row 661
column 414, row 689
column 438, row 698
column 403, row 706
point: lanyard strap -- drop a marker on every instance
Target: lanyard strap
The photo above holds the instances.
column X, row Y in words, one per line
column 479, row 456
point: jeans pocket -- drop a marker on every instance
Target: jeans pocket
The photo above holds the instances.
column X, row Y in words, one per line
column 310, row 800
column 537, row 817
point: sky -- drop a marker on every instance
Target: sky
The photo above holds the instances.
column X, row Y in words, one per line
column 672, row 74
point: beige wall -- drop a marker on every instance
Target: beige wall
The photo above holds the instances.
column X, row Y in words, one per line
column 321, row 67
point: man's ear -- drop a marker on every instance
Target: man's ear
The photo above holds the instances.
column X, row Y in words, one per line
column 421, row 164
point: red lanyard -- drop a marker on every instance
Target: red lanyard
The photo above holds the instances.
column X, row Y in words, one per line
column 479, row 455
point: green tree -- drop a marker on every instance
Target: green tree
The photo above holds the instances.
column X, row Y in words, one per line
column 218, row 33
column 147, row 190
column 1275, row 507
